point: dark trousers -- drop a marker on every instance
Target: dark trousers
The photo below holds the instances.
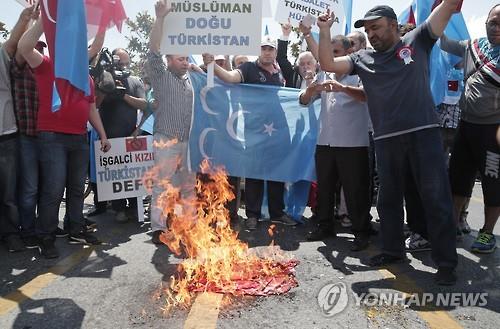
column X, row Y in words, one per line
column 234, row 204
column 9, row 216
column 415, row 216
column 28, row 183
column 64, row 161
column 254, row 194
column 349, row 167
column 419, row 154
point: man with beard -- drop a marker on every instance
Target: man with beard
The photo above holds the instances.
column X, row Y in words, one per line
column 395, row 76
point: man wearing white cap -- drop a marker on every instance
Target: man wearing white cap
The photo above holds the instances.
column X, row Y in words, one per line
column 262, row 71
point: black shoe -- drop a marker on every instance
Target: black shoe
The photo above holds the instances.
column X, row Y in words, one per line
column 14, row 243
column 285, row 220
column 251, row 223
column 96, row 212
column 321, row 233
column 360, row 243
column 386, row 259
column 31, row 242
column 83, row 238
column 47, row 248
column 60, row 233
column 156, row 237
column 446, row 276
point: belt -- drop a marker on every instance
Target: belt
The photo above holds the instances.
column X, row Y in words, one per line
column 4, row 138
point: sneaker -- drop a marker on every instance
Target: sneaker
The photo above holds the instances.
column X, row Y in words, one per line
column 360, row 243
column 485, row 243
column 31, row 242
column 446, row 276
column 47, row 248
column 60, row 233
column 321, row 233
column 14, row 243
column 83, row 238
column 386, row 259
column 345, row 221
column 251, row 223
column 464, row 226
column 121, row 217
column 156, row 237
column 285, row 220
column 415, row 242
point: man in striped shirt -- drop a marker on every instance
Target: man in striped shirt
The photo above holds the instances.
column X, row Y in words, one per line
column 174, row 94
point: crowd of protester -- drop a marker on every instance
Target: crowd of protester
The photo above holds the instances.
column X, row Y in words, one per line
column 379, row 130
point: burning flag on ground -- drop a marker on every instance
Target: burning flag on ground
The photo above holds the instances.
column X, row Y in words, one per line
column 216, row 261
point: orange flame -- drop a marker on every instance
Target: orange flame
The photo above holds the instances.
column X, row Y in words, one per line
column 216, row 260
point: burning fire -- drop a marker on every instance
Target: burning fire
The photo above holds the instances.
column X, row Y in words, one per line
column 216, row 261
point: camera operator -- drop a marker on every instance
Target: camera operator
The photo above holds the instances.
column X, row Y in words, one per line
column 118, row 111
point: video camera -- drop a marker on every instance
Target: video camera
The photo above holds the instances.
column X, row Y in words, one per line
column 107, row 73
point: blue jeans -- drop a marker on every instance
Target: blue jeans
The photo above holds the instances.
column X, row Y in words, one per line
column 9, row 216
column 28, row 183
column 419, row 154
column 64, row 160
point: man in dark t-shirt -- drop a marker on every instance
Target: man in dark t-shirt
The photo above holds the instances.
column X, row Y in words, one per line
column 262, row 71
column 119, row 117
column 395, row 77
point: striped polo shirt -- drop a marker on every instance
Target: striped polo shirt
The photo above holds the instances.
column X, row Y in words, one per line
column 175, row 99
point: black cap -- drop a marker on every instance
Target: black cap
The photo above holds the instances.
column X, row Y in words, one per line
column 376, row 13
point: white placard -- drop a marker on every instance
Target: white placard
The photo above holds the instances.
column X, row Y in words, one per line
column 119, row 171
column 296, row 10
column 27, row 3
column 226, row 27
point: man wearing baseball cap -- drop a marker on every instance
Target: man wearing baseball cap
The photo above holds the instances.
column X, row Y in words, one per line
column 263, row 71
column 395, row 77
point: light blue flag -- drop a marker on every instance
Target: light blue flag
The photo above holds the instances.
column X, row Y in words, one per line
column 348, row 15
column 440, row 62
column 256, row 131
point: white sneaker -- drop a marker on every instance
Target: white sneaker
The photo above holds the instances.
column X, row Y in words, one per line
column 415, row 242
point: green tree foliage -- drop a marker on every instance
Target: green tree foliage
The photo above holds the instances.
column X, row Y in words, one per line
column 138, row 41
column 4, row 33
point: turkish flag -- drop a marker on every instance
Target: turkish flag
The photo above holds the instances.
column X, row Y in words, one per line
column 136, row 144
column 452, row 85
column 104, row 14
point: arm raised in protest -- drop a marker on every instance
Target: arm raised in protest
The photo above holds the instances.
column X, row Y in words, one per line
column 312, row 45
column 28, row 42
column 440, row 16
column 22, row 24
column 161, row 10
column 339, row 65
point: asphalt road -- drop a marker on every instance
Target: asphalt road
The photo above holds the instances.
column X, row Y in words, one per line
column 116, row 285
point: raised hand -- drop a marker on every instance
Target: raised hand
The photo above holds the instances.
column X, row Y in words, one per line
column 304, row 29
column 286, row 28
column 326, row 20
column 161, row 8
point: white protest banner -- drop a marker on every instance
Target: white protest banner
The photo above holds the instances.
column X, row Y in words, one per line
column 27, row 3
column 296, row 10
column 119, row 171
column 224, row 27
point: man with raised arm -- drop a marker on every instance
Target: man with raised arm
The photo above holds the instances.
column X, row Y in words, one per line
column 395, row 76
column 174, row 94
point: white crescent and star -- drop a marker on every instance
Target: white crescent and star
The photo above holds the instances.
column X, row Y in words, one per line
column 203, row 99
column 230, row 125
column 47, row 11
column 269, row 129
column 201, row 141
